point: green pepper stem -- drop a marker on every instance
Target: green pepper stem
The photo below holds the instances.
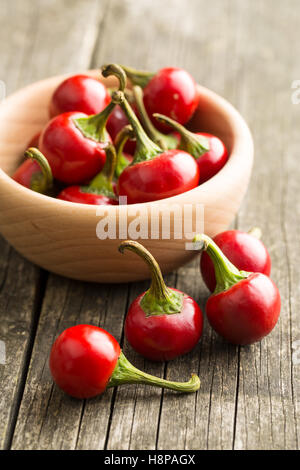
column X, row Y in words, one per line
column 40, row 182
column 255, row 232
column 126, row 373
column 138, row 77
column 164, row 141
column 117, row 71
column 194, row 144
column 159, row 299
column 102, row 183
column 145, row 148
column 94, row 127
column 121, row 139
column 226, row 273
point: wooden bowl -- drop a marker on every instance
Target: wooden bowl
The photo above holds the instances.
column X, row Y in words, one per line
column 61, row 237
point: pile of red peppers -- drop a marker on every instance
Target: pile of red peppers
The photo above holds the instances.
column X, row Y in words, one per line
column 100, row 144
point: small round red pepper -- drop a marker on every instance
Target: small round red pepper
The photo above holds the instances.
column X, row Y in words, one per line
column 80, row 93
column 209, row 151
column 162, row 323
column 154, row 174
column 73, row 142
column 85, row 360
column 35, row 172
column 244, row 306
column 243, row 249
column 171, row 91
column 100, row 190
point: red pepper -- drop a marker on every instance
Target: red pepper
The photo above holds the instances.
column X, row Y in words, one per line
column 123, row 159
column 154, row 174
column 35, row 172
column 171, row 91
column 162, row 323
column 74, row 143
column 209, row 151
column 85, row 360
column 244, row 306
column 100, row 190
column 79, row 93
column 243, row 249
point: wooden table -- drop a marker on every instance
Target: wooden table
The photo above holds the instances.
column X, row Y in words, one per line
column 248, row 51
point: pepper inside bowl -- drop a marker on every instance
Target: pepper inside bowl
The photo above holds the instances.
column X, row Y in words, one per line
column 81, row 241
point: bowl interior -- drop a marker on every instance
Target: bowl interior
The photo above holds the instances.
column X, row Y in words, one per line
column 24, row 114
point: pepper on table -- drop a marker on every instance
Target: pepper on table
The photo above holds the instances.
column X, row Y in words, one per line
column 162, row 323
column 244, row 249
column 85, row 360
column 244, row 306
column 100, row 191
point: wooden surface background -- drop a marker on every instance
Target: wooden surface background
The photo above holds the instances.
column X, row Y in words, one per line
column 248, row 51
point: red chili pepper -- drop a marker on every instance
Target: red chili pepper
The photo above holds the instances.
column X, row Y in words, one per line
column 244, row 306
column 154, row 174
column 209, row 151
column 100, row 190
column 79, row 93
column 171, row 91
column 35, row 172
column 243, row 249
column 162, row 323
column 85, row 360
column 74, row 143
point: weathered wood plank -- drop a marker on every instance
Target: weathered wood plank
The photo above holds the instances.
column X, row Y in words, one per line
column 19, row 300
column 48, row 418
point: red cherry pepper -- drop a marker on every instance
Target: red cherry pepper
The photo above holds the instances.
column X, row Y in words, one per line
column 162, row 323
column 35, row 172
column 243, row 249
column 244, row 306
column 171, row 91
column 79, row 93
column 74, row 143
column 209, row 151
column 154, row 174
column 100, row 190
column 85, row 360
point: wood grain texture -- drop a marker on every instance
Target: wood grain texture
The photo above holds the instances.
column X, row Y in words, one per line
column 249, row 397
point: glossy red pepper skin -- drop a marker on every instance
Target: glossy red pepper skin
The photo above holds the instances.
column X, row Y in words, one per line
column 247, row 311
column 76, row 194
column 25, row 172
column 172, row 92
column 83, row 359
column 245, row 251
column 115, row 123
column 73, row 157
column 170, row 173
column 211, row 162
column 164, row 337
column 79, row 93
